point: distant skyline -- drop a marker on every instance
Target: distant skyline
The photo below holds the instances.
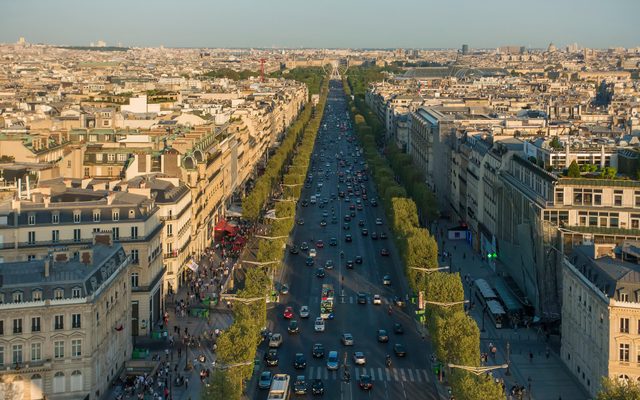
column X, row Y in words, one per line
column 323, row 23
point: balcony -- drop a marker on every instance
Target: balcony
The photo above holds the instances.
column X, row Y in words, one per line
column 169, row 255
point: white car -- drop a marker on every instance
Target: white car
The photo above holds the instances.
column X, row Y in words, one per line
column 319, row 325
column 378, row 221
column 377, row 299
column 312, row 253
column 359, row 358
column 304, row 312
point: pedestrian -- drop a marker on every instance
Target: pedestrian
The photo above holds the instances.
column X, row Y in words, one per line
column 530, row 356
column 547, row 352
column 186, row 383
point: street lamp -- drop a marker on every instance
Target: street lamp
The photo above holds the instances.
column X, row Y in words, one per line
column 445, row 304
column 240, row 299
column 271, row 237
column 508, row 371
column 484, row 310
column 429, row 270
column 478, row 370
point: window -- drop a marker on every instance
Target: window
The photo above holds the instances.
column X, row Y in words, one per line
column 624, row 325
column 58, row 349
column 17, row 297
column 93, row 138
column 31, row 237
column 35, row 324
column 58, row 383
column 617, row 198
column 55, row 236
column 87, row 172
column 1, row 355
column 36, row 295
column 623, row 296
column 122, row 157
column 98, row 157
column 77, row 217
column 111, row 157
column 31, row 257
column 624, row 352
column 31, row 219
column 1, row 327
column 169, row 230
column 58, row 322
column 76, row 381
column 77, row 236
column 75, row 321
column 115, row 233
column 55, row 217
column 134, row 279
column 58, row 294
column 76, row 292
column 115, row 214
column 17, row 325
column 96, row 215
column 110, row 171
column 17, row 354
column 560, row 196
column 134, row 257
column 76, row 348
column 68, row 163
column 36, row 351
column 134, row 232
column 132, row 214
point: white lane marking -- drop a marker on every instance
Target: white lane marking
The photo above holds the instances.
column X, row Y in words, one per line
column 372, row 374
column 404, row 378
column 380, row 373
column 410, row 375
column 426, row 375
column 418, row 376
column 388, row 374
column 395, row 374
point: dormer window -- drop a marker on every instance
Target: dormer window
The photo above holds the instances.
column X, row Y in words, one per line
column 132, row 214
column 58, row 294
column 76, row 292
column 623, row 296
column 77, row 217
column 55, row 217
column 115, row 214
column 96, row 215
column 17, row 297
column 31, row 219
column 36, row 295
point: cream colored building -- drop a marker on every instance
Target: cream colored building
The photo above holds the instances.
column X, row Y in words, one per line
column 601, row 313
column 64, row 323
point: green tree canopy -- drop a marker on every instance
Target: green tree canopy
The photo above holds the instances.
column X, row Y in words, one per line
column 574, row 170
column 619, row 389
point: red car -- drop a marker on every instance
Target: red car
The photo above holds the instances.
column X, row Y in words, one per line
column 288, row 312
column 320, row 244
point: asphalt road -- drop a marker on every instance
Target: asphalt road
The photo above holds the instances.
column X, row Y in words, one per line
column 409, row 377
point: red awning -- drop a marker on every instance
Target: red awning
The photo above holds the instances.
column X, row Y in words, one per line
column 223, row 225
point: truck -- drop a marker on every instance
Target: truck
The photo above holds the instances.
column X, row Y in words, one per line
column 326, row 301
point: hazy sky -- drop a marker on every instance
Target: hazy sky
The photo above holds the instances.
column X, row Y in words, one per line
column 323, row 23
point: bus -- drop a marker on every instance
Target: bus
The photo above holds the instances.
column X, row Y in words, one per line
column 489, row 301
column 280, row 389
column 326, row 301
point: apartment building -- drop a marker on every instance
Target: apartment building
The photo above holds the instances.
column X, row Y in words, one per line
column 66, row 213
column 601, row 313
column 64, row 322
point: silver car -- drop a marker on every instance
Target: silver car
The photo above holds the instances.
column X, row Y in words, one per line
column 347, row 339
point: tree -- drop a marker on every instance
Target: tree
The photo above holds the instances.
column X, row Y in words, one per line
column 468, row 386
column 574, row 170
column 608, row 173
column 221, row 386
column 618, row 389
column 457, row 339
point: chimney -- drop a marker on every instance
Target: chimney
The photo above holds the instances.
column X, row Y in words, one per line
column 110, row 197
column 47, row 262
column 103, row 238
column 46, row 200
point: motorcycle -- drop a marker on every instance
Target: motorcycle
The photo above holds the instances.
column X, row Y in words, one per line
column 388, row 362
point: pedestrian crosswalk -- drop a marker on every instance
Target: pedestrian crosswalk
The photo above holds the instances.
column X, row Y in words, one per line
column 376, row 373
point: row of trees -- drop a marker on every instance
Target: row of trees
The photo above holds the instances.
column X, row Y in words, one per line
column 237, row 346
column 456, row 337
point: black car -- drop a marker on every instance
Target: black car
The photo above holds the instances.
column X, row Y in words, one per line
column 384, row 252
column 365, row 232
column 293, row 327
column 294, row 250
column 399, row 350
column 333, row 241
column 383, row 337
column 383, row 235
column 318, row 350
column 374, row 236
column 271, row 357
column 309, row 261
column 317, row 387
column 300, row 385
column 361, row 223
column 320, row 273
column 349, row 264
column 304, row 203
column 398, row 329
column 362, row 298
column 348, row 238
column 346, row 226
column 299, row 362
column 365, row 382
column 347, row 218
column 358, row 259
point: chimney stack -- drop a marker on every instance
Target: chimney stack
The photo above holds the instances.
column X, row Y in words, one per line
column 47, row 265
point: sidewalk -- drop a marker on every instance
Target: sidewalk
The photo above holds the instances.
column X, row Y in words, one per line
column 545, row 372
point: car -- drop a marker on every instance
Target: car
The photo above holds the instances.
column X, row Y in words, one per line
column 358, row 260
column 374, row 236
column 304, row 203
column 398, row 329
column 347, row 218
column 362, row 298
column 319, row 325
column 300, row 385
column 334, row 220
column 318, row 350
column 284, row 289
column 399, row 349
column 347, row 339
column 317, row 387
column 398, row 301
column 383, row 337
column 265, row 380
column 349, row 264
column 332, row 360
column 325, row 214
column 352, row 206
column 293, row 249
column 288, row 312
column 271, row 358
column 304, row 312
column 328, row 264
column 323, row 223
column 365, row 382
column 275, row 341
column 320, row 244
column 300, row 221
column 359, row 207
column 293, row 327
column 384, row 252
column 309, row 261
column 299, row 361
column 313, row 252
column 383, row 235
column 333, row 241
column 348, row 238
column 352, row 213
column 304, row 246
column 359, row 358
column 346, row 226
column 378, row 221
column 377, row 299
column 361, row 223
column 365, row 232
column 320, row 272
column 386, row 280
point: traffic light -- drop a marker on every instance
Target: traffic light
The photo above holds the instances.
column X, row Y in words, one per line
column 492, row 256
